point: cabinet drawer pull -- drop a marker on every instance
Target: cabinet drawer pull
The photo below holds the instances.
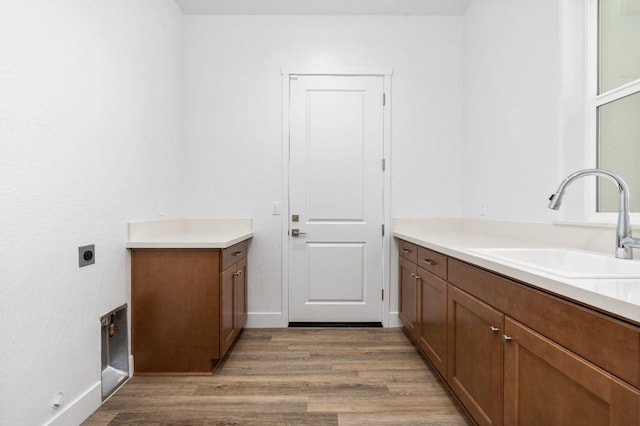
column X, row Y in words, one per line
column 236, row 253
column 406, row 251
column 493, row 329
column 505, row 338
column 430, row 262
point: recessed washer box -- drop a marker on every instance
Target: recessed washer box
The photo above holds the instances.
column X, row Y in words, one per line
column 86, row 255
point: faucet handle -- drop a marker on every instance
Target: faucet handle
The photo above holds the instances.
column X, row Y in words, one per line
column 631, row 242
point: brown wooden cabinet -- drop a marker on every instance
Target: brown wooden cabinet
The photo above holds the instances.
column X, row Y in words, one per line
column 519, row 356
column 476, row 356
column 188, row 305
column 546, row 384
column 432, row 324
column 408, row 298
column 234, row 302
column 423, row 300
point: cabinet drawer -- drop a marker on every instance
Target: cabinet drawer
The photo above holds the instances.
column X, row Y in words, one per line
column 234, row 253
column 433, row 262
column 605, row 341
column 408, row 251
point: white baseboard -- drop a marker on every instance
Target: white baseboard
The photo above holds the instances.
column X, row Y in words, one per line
column 394, row 320
column 264, row 320
column 77, row 411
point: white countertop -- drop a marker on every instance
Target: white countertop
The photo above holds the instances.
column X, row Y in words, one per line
column 619, row 297
column 189, row 233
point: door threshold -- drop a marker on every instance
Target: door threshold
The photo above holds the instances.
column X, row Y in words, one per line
column 336, row 324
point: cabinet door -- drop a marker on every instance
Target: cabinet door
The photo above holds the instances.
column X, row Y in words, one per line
column 240, row 294
column 227, row 305
column 545, row 384
column 408, row 298
column 475, row 356
column 175, row 311
column 433, row 319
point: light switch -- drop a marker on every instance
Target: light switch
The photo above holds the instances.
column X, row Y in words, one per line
column 275, row 208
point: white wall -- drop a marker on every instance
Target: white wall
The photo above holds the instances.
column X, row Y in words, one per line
column 233, row 117
column 522, row 127
column 90, row 138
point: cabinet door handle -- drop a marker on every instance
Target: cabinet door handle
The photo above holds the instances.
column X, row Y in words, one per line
column 430, row 262
column 237, row 273
column 406, row 251
column 236, row 253
column 505, row 338
column 493, row 329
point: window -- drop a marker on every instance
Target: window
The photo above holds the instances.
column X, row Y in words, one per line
column 615, row 95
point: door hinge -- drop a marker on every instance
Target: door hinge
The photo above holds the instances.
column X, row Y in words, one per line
column 383, row 230
column 384, row 164
column 382, row 294
column 384, row 99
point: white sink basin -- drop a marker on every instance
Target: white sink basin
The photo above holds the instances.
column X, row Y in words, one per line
column 570, row 263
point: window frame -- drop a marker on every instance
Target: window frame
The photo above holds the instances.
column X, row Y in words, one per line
column 594, row 101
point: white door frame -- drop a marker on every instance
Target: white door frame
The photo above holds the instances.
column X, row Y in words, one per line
column 385, row 73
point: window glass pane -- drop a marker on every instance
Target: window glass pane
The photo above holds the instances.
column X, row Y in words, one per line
column 619, row 43
column 619, row 150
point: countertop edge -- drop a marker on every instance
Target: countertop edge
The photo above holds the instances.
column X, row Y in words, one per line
column 218, row 244
column 569, row 289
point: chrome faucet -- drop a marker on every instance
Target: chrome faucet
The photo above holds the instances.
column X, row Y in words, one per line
column 624, row 241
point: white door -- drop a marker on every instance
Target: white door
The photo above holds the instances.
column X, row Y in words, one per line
column 336, row 182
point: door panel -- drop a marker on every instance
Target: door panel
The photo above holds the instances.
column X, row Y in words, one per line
column 227, row 320
column 240, row 295
column 433, row 319
column 408, row 300
column 475, row 364
column 545, row 384
column 324, row 284
column 336, row 189
column 335, row 155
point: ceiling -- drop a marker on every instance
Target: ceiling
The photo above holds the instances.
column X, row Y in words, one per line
column 323, row 7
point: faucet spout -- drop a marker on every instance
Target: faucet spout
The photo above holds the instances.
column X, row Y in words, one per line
column 624, row 241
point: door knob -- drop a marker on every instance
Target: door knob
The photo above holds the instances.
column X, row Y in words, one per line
column 296, row 232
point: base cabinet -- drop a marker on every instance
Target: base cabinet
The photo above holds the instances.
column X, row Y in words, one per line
column 545, row 384
column 188, row 306
column 515, row 355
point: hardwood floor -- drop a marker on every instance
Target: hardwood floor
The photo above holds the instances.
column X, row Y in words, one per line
column 293, row 376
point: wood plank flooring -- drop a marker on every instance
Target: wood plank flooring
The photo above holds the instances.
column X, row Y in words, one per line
column 293, row 376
